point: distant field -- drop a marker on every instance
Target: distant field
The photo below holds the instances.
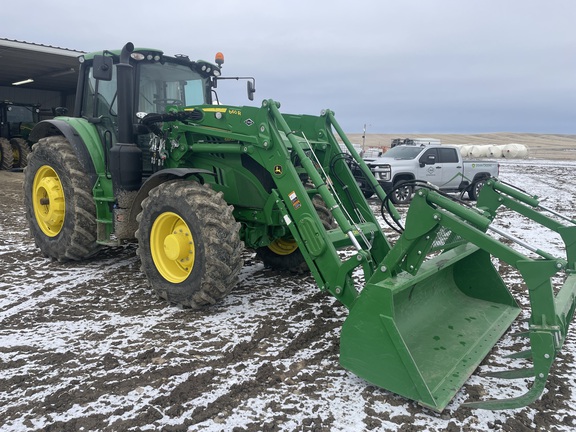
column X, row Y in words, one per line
column 546, row 146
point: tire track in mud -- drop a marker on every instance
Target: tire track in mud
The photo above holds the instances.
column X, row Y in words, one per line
column 71, row 389
column 51, row 281
column 263, row 376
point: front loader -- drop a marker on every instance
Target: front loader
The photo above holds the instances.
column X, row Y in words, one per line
column 150, row 154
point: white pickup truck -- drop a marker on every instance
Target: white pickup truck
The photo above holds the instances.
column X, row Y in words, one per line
column 440, row 165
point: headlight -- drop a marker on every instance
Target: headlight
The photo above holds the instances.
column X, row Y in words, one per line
column 382, row 173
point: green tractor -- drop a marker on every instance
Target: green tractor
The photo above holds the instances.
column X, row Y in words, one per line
column 16, row 123
column 149, row 154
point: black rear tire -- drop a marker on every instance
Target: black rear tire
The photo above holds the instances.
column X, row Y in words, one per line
column 20, row 147
column 474, row 190
column 189, row 243
column 58, row 200
column 6, row 154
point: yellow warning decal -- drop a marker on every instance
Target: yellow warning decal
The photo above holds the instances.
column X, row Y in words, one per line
column 222, row 110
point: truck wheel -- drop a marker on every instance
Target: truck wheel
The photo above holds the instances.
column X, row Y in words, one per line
column 474, row 190
column 283, row 254
column 20, row 151
column 6, row 155
column 59, row 205
column 402, row 194
column 189, row 243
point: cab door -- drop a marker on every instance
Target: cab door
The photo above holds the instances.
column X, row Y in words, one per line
column 451, row 168
column 429, row 169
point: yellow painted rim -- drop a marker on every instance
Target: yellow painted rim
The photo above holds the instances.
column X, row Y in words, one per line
column 172, row 247
column 283, row 247
column 48, row 201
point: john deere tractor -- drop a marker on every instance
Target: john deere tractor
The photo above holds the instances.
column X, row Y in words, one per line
column 16, row 122
column 149, row 154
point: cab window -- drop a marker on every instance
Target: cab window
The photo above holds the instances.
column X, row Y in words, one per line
column 429, row 157
column 448, row 155
column 162, row 85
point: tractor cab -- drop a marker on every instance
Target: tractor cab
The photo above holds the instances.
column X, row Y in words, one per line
column 17, row 119
column 150, row 82
column 157, row 82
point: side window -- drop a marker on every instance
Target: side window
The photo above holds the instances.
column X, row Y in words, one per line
column 147, row 94
column 429, row 157
column 100, row 97
column 448, row 155
column 194, row 91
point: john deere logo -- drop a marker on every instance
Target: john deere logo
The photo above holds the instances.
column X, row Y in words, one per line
column 278, row 169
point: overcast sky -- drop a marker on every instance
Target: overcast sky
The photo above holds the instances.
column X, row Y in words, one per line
column 411, row 66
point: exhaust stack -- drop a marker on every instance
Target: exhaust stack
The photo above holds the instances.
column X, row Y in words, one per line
column 125, row 156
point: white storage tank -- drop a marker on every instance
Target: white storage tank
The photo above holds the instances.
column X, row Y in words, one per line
column 494, row 151
column 514, row 151
column 465, row 150
column 478, row 151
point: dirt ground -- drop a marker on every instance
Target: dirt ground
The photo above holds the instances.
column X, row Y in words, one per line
column 86, row 347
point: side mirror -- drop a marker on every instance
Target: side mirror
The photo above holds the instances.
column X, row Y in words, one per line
column 251, row 87
column 102, row 68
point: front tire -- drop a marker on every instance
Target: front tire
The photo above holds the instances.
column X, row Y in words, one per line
column 189, row 244
column 402, row 193
column 58, row 199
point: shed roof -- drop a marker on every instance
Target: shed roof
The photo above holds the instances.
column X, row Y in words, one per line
column 51, row 68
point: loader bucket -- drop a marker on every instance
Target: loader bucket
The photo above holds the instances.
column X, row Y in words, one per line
column 423, row 335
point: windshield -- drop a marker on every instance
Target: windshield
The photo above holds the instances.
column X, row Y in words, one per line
column 403, row 152
column 169, row 84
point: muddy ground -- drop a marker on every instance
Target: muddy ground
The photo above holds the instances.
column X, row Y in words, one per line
column 86, row 347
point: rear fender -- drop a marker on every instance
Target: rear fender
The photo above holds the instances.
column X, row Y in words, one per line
column 83, row 138
column 467, row 184
column 481, row 176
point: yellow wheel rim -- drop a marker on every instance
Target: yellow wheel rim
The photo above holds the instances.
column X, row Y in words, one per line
column 283, row 247
column 172, row 247
column 48, row 201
